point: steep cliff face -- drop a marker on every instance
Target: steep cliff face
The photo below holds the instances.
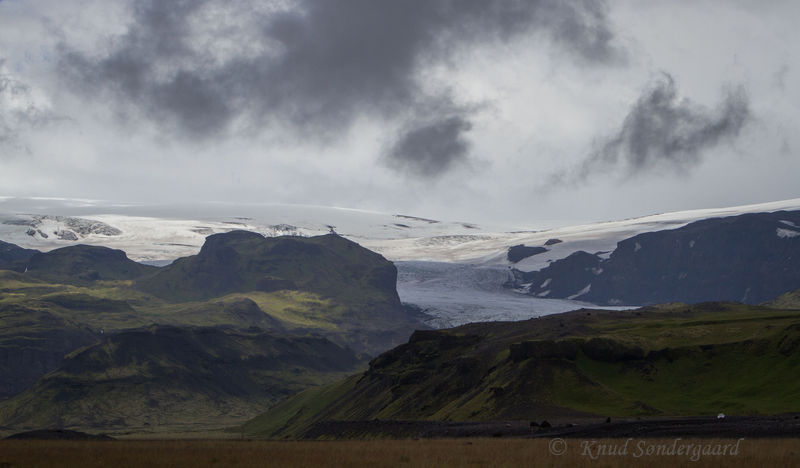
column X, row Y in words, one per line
column 750, row 258
column 241, row 261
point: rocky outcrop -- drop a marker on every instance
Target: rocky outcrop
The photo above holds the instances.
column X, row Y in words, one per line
column 242, row 261
column 521, row 252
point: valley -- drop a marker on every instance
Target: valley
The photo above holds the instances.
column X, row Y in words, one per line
column 312, row 335
column 456, row 294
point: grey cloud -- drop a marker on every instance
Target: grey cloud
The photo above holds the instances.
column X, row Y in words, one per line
column 18, row 112
column 318, row 65
column 431, row 148
column 779, row 78
column 661, row 131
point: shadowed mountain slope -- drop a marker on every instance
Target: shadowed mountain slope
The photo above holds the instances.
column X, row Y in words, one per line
column 749, row 258
column 14, row 257
column 169, row 376
column 335, row 285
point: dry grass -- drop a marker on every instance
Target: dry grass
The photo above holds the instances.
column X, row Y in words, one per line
column 416, row 453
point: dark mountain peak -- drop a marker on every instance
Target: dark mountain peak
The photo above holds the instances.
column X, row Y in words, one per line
column 89, row 251
column 242, row 261
column 748, row 258
column 229, row 239
column 81, row 263
column 521, row 252
column 14, row 257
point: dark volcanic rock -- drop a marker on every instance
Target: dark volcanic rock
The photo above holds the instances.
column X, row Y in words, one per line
column 520, row 252
column 564, row 278
column 750, row 258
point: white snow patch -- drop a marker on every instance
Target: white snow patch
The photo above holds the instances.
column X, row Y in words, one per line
column 544, row 293
column 597, row 271
column 581, row 292
column 523, row 288
column 789, row 223
column 787, row 233
column 691, row 244
column 637, row 247
column 167, row 232
column 546, row 282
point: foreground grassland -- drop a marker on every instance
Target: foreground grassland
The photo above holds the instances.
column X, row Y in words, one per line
column 417, row 453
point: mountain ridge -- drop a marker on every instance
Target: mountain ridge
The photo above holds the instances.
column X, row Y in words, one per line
column 666, row 361
column 749, row 258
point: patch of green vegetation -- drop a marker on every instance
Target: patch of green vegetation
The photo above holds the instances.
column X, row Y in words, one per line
column 324, row 284
column 747, row 377
column 299, row 309
column 790, row 300
column 675, row 360
column 177, row 376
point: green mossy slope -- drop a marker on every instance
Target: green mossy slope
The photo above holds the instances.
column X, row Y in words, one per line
column 674, row 360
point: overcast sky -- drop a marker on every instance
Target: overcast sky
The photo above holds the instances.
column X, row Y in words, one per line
column 504, row 112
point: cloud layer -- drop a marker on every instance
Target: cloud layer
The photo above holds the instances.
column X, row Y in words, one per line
column 19, row 112
column 202, row 70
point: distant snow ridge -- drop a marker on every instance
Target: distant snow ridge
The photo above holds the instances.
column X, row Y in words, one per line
column 276, row 230
column 63, row 227
column 167, row 232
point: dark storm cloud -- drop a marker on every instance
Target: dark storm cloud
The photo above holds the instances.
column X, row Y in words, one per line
column 662, row 131
column 431, row 148
column 321, row 64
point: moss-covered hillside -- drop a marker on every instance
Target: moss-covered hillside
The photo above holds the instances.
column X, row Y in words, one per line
column 674, row 360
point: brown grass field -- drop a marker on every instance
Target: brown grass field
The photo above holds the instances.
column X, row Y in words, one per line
column 377, row 453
